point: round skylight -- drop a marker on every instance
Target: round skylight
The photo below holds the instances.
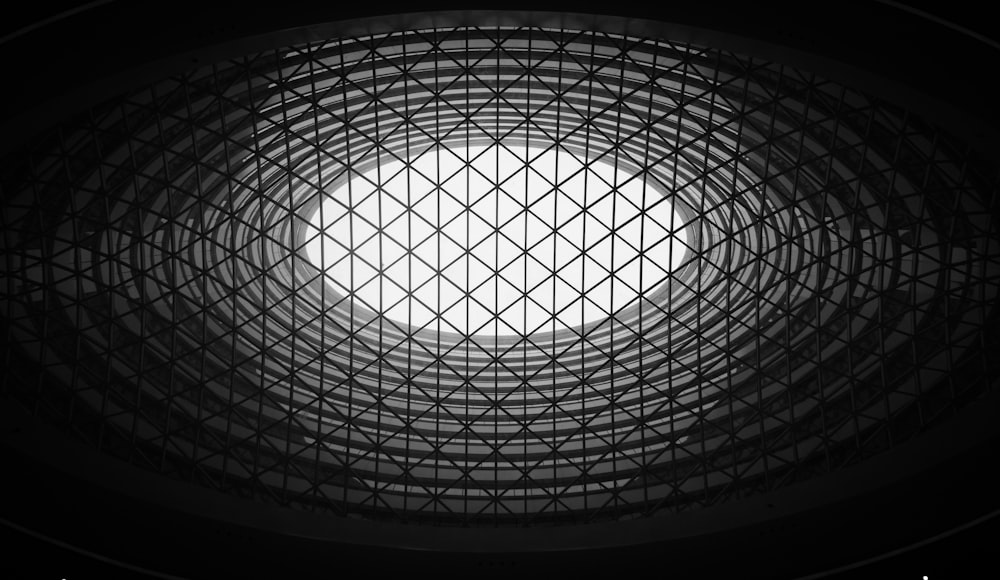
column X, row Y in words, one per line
column 496, row 240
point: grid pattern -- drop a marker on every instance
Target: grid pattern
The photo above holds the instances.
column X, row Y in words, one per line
column 496, row 241
column 837, row 294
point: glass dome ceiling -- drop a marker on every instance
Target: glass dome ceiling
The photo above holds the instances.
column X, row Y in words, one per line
column 160, row 278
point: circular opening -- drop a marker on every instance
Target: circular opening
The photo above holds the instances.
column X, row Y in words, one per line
column 496, row 240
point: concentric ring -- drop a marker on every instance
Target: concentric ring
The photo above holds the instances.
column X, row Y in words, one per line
column 842, row 261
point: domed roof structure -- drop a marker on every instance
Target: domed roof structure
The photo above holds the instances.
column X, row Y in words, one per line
column 499, row 283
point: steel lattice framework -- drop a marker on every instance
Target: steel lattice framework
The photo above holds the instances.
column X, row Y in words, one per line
column 835, row 298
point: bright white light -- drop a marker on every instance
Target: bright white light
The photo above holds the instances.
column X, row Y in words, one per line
column 532, row 236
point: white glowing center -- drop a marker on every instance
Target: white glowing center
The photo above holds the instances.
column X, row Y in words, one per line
column 488, row 240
